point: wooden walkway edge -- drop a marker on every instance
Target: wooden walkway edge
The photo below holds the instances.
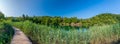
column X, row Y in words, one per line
column 19, row 37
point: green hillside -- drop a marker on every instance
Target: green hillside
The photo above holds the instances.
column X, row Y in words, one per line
column 101, row 19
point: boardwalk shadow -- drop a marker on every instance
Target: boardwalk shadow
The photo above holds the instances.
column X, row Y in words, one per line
column 116, row 42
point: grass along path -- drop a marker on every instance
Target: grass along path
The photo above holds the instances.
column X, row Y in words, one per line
column 20, row 38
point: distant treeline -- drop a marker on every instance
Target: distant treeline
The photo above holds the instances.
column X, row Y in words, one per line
column 101, row 19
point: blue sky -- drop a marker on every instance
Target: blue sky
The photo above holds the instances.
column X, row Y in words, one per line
column 66, row 8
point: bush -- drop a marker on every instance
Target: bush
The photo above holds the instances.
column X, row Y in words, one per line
column 6, row 33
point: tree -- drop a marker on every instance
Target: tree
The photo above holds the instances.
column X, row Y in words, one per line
column 101, row 19
column 74, row 19
column 1, row 15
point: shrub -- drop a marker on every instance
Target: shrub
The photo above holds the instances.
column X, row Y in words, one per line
column 6, row 33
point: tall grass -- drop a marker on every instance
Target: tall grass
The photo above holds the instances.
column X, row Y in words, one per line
column 107, row 34
column 40, row 34
column 6, row 33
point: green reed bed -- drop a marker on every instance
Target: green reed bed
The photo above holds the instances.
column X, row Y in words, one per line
column 6, row 33
column 40, row 34
column 107, row 34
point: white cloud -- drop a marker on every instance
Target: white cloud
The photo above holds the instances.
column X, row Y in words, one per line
column 4, row 7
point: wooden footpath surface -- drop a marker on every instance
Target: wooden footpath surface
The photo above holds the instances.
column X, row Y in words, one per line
column 19, row 37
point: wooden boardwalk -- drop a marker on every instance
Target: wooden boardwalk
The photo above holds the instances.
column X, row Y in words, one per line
column 20, row 38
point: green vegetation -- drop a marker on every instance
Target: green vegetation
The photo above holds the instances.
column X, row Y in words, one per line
column 101, row 19
column 107, row 34
column 6, row 30
column 40, row 34
column 1, row 15
column 101, row 29
column 6, row 33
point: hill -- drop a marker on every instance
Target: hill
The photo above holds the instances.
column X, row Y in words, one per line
column 102, row 19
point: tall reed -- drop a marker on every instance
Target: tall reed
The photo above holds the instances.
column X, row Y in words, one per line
column 40, row 34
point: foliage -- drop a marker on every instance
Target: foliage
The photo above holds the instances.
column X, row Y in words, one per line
column 1, row 15
column 6, row 33
column 107, row 34
column 41, row 34
column 101, row 19
column 103, row 29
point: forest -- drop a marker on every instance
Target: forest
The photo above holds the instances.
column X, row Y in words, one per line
column 101, row 19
